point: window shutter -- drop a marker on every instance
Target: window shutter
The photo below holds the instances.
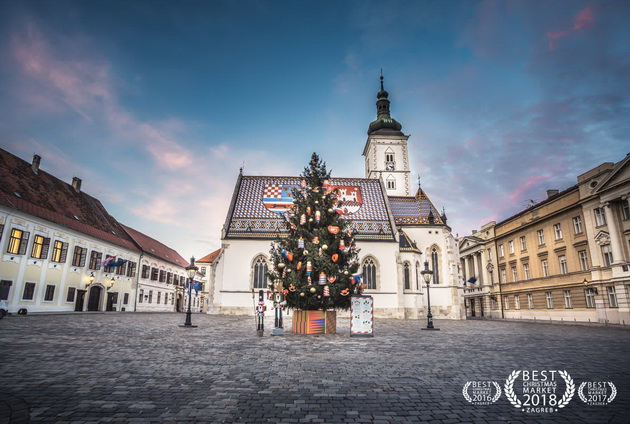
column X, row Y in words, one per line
column 64, row 253
column 83, row 256
column 23, row 242
column 45, row 247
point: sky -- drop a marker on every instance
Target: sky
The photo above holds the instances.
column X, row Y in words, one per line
column 156, row 105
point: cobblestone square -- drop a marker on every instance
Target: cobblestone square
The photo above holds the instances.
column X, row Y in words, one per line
column 142, row 368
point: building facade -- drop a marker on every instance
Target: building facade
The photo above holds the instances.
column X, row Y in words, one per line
column 396, row 230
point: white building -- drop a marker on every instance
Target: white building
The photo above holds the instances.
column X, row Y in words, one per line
column 397, row 231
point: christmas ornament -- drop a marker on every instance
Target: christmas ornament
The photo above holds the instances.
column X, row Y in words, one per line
column 289, row 270
column 315, row 240
column 333, row 229
column 292, row 287
column 335, row 257
column 318, row 216
column 302, row 294
column 310, row 220
column 361, row 287
column 290, row 256
column 313, row 289
column 309, row 267
column 330, row 210
column 305, row 252
column 302, row 219
column 344, row 292
column 326, row 292
column 308, row 210
column 301, row 243
column 317, row 202
column 320, row 253
column 322, row 278
column 303, row 183
column 319, row 296
column 332, row 278
column 342, row 245
column 345, row 273
column 280, row 265
column 324, row 246
column 284, row 273
column 285, row 292
column 299, row 266
column 356, row 278
column 293, row 226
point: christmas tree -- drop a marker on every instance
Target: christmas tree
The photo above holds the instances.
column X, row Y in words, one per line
column 316, row 262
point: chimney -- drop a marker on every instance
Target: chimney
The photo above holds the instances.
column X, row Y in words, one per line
column 552, row 193
column 76, row 184
column 35, row 165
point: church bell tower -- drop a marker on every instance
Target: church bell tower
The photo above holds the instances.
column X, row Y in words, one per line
column 386, row 154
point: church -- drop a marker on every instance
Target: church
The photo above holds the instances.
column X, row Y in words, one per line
column 395, row 230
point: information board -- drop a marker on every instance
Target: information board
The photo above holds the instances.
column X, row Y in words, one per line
column 362, row 316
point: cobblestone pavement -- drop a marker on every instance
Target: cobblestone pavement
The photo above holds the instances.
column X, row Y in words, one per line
column 144, row 368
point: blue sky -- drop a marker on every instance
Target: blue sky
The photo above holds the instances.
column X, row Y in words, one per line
column 157, row 104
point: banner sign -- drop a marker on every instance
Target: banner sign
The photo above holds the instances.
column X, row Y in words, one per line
column 362, row 316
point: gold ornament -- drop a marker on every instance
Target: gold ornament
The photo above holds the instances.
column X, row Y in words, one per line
column 313, row 289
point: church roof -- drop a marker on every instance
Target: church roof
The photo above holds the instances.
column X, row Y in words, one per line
column 406, row 245
column 259, row 202
column 415, row 210
column 45, row 196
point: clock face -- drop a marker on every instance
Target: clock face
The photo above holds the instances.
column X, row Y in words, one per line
column 390, row 167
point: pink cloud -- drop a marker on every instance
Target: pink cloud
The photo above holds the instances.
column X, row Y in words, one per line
column 581, row 20
column 518, row 193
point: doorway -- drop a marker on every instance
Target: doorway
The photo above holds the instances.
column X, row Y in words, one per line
column 78, row 307
column 94, row 301
column 112, row 299
column 473, row 301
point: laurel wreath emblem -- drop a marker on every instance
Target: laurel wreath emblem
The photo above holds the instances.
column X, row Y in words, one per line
column 508, row 388
column 465, row 392
column 569, row 391
column 613, row 392
column 498, row 395
column 581, row 392
column 469, row 399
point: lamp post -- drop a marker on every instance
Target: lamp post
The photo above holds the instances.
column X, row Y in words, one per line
column 427, row 274
column 191, row 270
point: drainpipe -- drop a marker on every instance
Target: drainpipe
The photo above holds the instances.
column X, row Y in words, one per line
column 138, row 271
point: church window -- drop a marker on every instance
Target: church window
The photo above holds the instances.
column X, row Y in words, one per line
column 435, row 265
column 389, row 157
column 260, row 273
column 369, row 274
column 417, row 276
column 391, row 183
column 407, row 276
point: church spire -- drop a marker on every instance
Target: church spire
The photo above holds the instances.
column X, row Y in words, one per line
column 384, row 123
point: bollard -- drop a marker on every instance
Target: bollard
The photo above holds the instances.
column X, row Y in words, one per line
column 561, row 320
column 534, row 319
column 575, row 321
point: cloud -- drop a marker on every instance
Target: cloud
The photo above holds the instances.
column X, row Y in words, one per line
column 581, row 21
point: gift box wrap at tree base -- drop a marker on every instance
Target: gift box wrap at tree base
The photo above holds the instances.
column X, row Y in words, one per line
column 314, row 322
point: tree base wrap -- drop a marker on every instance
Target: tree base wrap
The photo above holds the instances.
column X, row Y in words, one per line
column 315, row 322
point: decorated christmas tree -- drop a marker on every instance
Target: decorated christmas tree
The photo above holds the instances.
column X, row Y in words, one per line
column 316, row 261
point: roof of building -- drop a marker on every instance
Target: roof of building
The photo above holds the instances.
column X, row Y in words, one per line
column 406, row 245
column 259, row 202
column 155, row 248
column 414, row 210
column 210, row 257
column 384, row 123
column 47, row 197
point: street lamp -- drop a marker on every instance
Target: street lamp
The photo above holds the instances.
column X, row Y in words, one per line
column 427, row 274
column 192, row 271
column 90, row 279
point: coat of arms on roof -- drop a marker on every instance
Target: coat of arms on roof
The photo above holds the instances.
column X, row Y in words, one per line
column 278, row 198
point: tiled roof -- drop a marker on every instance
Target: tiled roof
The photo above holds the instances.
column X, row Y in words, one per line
column 209, row 258
column 406, row 245
column 259, row 202
column 47, row 197
column 155, row 248
column 414, row 210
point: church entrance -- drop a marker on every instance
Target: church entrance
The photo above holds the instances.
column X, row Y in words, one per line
column 94, row 301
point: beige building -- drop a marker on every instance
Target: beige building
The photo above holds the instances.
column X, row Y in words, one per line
column 565, row 258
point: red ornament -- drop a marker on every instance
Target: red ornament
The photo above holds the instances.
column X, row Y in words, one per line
column 335, row 257
column 333, row 229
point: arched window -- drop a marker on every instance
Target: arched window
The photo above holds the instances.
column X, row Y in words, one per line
column 407, row 276
column 391, row 182
column 417, row 275
column 259, row 279
column 435, row 265
column 369, row 274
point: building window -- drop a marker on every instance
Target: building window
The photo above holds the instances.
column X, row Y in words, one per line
column 612, row 296
column 583, row 260
column 391, row 183
column 29, row 291
column 106, row 265
column 121, row 269
column 95, row 259
column 166, row 298
column 78, row 258
column 159, row 296
column 162, row 277
column 154, row 274
column 40, row 247
column 389, row 156
column 577, row 224
column 150, row 296
column 131, row 269
column 71, row 292
column 557, row 229
column 501, row 251
column 407, row 276
column 549, row 297
column 526, row 271
column 507, row 303
column 141, row 296
column 517, row 302
column 60, row 252
column 563, row 264
column 503, row 276
column 511, row 246
column 126, row 299
column 523, row 243
column 369, row 274
column 203, row 270
column 625, row 207
column 489, row 254
column 18, row 242
column 514, row 274
column 49, row 294
column 607, row 255
column 417, row 276
column 260, row 273
column 169, row 278
column 530, row 301
column 590, row 298
column 435, row 266
column 600, row 216
column 145, row 271
column 5, row 288
column 541, row 237
column 567, row 299
column 545, row 267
